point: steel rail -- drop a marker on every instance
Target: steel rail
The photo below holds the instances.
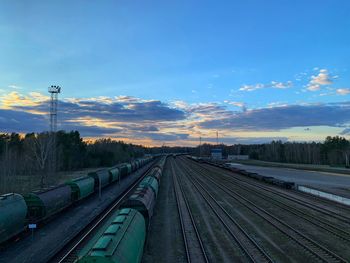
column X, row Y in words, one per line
column 259, row 255
column 312, row 245
column 319, row 222
column 305, row 203
column 177, row 188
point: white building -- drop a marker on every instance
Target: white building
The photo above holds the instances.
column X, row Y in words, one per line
column 216, row 154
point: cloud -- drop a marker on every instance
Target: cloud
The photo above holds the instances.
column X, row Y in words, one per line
column 244, row 140
column 92, row 130
column 283, row 117
column 272, row 84
column 207, row 111
column 111, row 109
column 313, row 87
column 343, row 92
column 14, row 99
column 345, row 132
column 321, row 79
column 277, row 104
column 99, row 116
column 146, row 128
column 281, row 85
column 165, row 136
column 239, row 104
column 19, row 121
column 252, row 87
column 15, row 87
column 136, row 119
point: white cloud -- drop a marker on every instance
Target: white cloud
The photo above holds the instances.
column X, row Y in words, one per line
column 277, row 104
column 313, row 87
column 343, row 92
column 15, row 87
column 239, row 104
column 321, row 79
column 252, row 87
column 281, row 85
column 273, row 84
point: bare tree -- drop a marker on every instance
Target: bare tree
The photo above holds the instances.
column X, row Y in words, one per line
column 39, row 146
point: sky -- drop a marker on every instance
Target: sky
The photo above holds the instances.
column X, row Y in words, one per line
column 170, row 72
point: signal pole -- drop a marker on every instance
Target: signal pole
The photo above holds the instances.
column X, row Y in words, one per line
column 54, row 91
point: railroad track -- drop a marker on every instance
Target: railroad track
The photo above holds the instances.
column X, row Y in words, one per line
column 317, row 221
column 312, row 205
column 310, row 246
column 253, row 251
column 69, row 254
column 193, row 243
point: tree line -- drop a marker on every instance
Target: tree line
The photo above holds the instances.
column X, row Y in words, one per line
column 30, row 156
column 332, row 151
column 27, row 159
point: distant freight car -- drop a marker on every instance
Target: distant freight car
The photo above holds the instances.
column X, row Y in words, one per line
column 122, row 240
column 150, row 181
column 44, row 203
column 81, row 187
column 133, row 166
column 156, row 173
column 101, row 176
column 114, row 174
column 128, row 165
column 13, row 211
column 123, row 168
column 143, row 200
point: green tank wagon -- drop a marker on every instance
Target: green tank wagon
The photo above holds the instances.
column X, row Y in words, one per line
column 101, row 176
column 13, row 211
column 121, row 241
column 81, row 187
column 114, row 173
column 150, row 181
column 44, row 203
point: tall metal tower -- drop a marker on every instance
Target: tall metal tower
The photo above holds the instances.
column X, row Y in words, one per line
column 54, row 91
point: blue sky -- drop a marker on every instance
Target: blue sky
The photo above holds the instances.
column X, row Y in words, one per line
column 233, row 58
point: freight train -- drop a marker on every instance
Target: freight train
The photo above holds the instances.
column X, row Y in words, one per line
column 122, row 237
column 17, row 211
column 256, row 176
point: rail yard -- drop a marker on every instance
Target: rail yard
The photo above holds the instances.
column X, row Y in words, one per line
column 180, row 209
column 209, row 214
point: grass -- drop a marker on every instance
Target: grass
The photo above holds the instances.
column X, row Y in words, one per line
column 23, row 184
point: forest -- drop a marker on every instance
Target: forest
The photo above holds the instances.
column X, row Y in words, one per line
column 333, row 151
column 26, row 161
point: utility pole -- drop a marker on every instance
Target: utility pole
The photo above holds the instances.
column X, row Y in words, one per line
column 217, row 138
column 54, row 91
column 200, row 146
